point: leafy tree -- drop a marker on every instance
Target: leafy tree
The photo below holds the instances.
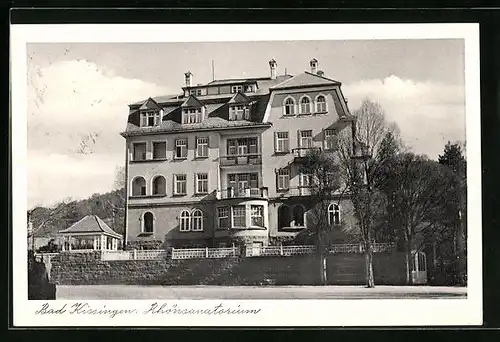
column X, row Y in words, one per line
column 417, row 189
column 455, row 213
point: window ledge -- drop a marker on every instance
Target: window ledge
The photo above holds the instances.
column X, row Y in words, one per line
column 178, row 195
column 201, row 157
column 180, row 158
column 304, row 114
column 143, row 234
column 190, row 231
column 325, row 112
column 148, row 160
column 201, row 194
column 281, row 152
column 147, row 196
column 285, row 229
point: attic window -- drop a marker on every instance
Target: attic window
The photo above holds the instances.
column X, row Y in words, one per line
column 150, row 118
column 237, row 88
column 192, row 115
column 239, row 112
column 196, row 92
column 249, row 88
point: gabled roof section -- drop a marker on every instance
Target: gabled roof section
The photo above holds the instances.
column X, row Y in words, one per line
column 192, row 101
column 239, row 98
column 305, row 79
column 149, row 104
column 90, row 224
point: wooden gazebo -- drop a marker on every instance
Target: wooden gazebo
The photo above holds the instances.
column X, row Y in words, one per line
column 90, row 233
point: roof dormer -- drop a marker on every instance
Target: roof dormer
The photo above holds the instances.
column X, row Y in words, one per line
column 193, row 111
column 239, row 107
column 150, row 113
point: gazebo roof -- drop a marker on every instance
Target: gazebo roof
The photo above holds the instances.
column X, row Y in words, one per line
column 91, row 224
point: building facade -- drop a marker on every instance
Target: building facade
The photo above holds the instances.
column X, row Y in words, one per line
column 219, row 164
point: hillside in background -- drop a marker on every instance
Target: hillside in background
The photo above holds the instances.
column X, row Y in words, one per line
column 110, row 207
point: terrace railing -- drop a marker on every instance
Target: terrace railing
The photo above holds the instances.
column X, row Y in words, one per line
column 242, row 193
column 152, row 254
column 241, row 159
column 200, row 253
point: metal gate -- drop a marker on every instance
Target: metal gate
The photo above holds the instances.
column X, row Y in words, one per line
column 419, row 268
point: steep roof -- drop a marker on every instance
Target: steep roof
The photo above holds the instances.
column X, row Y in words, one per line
column 239, row 98
column 90, row 224
column 305, row 79
column 149, row 104
column 192, row 101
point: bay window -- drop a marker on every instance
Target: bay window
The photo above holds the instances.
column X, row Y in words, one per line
column 239, row 216
column 257, row 215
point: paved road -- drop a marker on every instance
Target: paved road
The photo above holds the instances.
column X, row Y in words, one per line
column 89, row 292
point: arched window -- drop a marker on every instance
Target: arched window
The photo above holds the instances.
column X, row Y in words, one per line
column 184, row 221
column 139, row 187
column 159, row 185
column 298, row 216
column 305, row 105
column 320, row 104
column 289, row 106
column 148, row 223
column 283, row 217
column 197, row 220
column 333, row 214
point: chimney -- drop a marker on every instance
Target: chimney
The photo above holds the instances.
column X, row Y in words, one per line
column 314, row 65
column 320, row 73
column 272, row 66
column 188, row 76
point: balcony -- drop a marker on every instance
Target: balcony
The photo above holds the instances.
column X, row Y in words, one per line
column 296, row 191
column 240, row 159
column 242, row 193
column 300, row 154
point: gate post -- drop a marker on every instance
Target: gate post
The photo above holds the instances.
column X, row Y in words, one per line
column 206, row 252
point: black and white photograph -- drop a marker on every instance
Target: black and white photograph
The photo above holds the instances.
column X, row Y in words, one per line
column 230, row 173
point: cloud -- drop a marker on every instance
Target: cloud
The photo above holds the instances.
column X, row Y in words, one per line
column 76, row 111
column 428, row 113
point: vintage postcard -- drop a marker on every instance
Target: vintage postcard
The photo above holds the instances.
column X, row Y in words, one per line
column 246, row 175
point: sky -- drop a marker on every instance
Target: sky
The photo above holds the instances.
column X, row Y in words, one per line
column 78, row 95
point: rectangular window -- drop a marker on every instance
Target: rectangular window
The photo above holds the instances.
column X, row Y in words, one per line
column 223, row 217
column 181, row 148
column 306, row 140
column 305, row 180
column 239, row 216
column 257, row 215
column 330, row 139
column 180, row 185
column 202, row 183
column 237, row 88
column 202, row 147
column 159, row 150
column 239, row 112
column 282, row 144
column 283, row 179
column 231, row 147
column 192, row 115
column 139, row 151
column 249, row 89
column 150, row 118
column 196, row 92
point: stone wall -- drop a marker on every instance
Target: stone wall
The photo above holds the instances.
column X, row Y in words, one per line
column 343, row 269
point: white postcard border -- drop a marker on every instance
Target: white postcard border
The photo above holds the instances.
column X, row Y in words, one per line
column 368, row 312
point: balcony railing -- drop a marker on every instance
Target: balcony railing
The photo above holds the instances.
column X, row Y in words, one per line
column 302, row 190
column 241, row 159
column 242, row 193
column 302, row 152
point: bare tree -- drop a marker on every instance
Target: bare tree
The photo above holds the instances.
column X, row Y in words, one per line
column 362, row 153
